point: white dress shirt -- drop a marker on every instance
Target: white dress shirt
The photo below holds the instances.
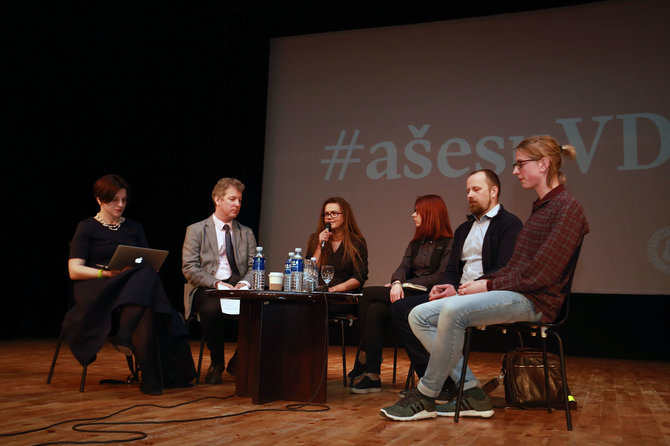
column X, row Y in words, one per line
column 472, row 247
column 223, row 272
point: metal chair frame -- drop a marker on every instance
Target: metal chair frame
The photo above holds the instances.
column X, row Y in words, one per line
column 534, row 329
column 350, row 319
column 132, row 364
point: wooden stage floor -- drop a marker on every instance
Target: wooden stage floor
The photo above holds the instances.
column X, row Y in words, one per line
column 620, row 403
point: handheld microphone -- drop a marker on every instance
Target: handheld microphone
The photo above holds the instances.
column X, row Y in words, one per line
column 323, row 243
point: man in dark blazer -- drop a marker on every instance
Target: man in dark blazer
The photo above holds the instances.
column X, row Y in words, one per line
column 218, row 253
column 483, row 244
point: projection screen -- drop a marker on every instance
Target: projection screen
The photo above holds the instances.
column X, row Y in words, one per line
column 381, row 116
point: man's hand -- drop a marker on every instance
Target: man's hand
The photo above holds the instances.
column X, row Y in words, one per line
column 221, row 285
column 441, row 291
column 473, row 287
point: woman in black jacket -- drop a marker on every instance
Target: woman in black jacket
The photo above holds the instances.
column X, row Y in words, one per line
column 425, row 260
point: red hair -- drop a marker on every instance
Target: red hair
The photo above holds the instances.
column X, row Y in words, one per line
column 434, row 218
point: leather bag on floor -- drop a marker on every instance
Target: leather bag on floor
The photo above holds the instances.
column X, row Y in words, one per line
column 523, row 379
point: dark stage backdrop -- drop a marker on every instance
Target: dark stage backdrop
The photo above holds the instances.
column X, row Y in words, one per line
column 171, row 97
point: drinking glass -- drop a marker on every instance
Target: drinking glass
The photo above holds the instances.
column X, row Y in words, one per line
column 327, row 273
column 310, row 272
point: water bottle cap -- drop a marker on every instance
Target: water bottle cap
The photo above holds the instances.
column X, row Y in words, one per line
column 298, row 249
column 259, row 248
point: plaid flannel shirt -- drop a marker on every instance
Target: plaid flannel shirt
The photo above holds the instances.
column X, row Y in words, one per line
column 544, row 247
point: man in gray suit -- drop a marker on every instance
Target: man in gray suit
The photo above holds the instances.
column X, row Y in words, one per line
column 218, row 253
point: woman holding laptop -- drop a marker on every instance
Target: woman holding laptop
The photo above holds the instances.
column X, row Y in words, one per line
column 127, row 307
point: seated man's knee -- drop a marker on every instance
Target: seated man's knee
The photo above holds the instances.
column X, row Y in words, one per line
column 208, row 308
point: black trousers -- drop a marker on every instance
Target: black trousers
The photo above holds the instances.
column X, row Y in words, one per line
column 374, row 315
column 415, row 350
column 212, row 324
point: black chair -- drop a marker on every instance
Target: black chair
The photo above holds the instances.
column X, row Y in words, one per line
column 348, row 320
column 534, row 329
column 133, row 378
column 410, row 381
column 132, row 364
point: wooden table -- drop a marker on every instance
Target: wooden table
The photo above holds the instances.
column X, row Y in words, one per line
column 283, row 343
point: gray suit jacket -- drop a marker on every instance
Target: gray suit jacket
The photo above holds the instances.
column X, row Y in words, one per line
column 200, row 256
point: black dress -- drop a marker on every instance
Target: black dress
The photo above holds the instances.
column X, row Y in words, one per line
column 98, row 302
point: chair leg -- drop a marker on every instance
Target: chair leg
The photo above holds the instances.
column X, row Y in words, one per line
column 564, row 378
column 83, row 378
column 461, row 383
column 546, row 374
column 409, row 382
column 202, row 348
column 344, row 356
column 53, row 361
column 395, row 362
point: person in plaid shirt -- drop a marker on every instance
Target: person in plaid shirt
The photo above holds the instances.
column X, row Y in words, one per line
column 528, row 289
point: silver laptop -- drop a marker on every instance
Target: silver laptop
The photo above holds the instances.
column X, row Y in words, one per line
column 135, row 256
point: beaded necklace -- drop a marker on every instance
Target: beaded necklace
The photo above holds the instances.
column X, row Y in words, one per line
column 113, row 227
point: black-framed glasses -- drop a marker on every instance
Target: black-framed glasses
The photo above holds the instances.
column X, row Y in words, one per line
column 331, row 214
column 519, row 163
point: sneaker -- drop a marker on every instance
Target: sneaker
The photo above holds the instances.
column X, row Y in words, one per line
column 367, row 385
column 475, row 403
column 414, row 406
column 448, row 392
column 357, row 372
column 444, row 397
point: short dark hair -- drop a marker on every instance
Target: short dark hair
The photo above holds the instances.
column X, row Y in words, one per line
column 491, row 177
column 106, row 187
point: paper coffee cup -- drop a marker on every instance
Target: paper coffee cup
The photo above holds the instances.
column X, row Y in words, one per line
column 276, row 281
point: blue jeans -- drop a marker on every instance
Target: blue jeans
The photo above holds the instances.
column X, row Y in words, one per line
column 440, row 326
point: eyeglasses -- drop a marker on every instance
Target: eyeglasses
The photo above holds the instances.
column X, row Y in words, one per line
column 331, row 214
column 519, row 163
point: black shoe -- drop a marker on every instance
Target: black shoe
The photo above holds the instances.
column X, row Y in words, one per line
column 367, row 385
column 232, row 364
column 122, row 345
column 150, row 389
column 357, row 371
column 214, row 374
column 179, row 385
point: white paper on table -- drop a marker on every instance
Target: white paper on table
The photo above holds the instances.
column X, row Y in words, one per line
column 230, row 306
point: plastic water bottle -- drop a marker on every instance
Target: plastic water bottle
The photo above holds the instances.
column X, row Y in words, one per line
column 287, row 272
column 296, row 271
column 259, row 269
